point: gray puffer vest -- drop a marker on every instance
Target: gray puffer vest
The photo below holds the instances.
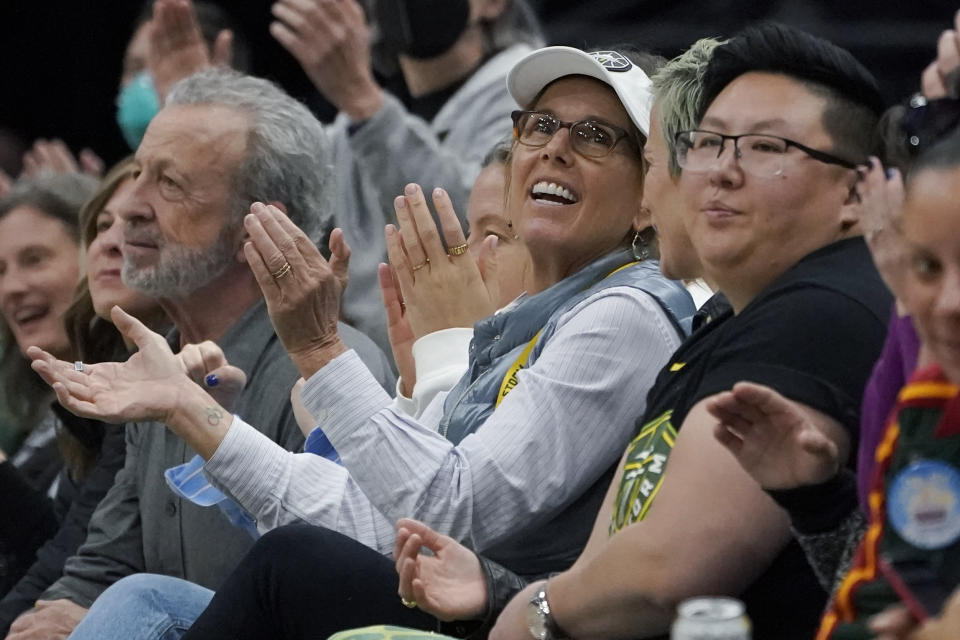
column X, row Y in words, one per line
column 497, row 343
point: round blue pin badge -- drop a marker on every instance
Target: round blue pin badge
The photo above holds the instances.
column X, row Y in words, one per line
column 923, row 504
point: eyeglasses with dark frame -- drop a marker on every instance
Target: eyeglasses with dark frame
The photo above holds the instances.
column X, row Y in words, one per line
column 759, row 154
column 589, row 138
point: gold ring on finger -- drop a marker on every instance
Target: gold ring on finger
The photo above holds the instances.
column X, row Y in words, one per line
column 410, row 604
column 458, row 250
column 421, row 265
column 282, row 271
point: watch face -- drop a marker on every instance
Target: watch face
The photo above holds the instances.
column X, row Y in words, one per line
column 536, row 620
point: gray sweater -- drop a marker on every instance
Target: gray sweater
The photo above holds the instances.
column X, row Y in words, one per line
column 395, row 147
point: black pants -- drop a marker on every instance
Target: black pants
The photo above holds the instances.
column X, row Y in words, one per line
column 306, row 582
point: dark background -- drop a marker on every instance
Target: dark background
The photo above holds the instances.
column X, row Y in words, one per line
column 61, row 58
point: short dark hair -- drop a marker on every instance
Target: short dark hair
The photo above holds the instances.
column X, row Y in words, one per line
column 854, row 102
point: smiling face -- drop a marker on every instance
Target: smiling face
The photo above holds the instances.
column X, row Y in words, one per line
column 180, row 231
column 570, row 209
column 104, row 263
column 931, row 222
column 663, row 199
column 748, row 230
column 38, row 273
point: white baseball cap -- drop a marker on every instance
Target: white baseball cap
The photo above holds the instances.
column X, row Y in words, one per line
column 541, row 67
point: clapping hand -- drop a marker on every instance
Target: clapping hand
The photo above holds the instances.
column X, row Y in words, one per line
column 448, row 584
column 881, row 206
column 176, row 46
column 398, row 329
column 441, row 288
column 302, row 289
column 936, row 79
column 331, row 41
column 53, row 156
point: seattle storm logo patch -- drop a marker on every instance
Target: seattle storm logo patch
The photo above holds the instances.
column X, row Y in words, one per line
column 612, row 60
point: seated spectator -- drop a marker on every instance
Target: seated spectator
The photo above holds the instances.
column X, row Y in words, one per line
column 39, row 258
column 450, row 583
column 830, row 538
column 93, row 453
column 222, row 140
column 775, row 223
column 574, row 198
column 453, row 56
column 902, row 552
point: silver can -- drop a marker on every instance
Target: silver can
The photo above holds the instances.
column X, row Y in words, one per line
column 711, row 619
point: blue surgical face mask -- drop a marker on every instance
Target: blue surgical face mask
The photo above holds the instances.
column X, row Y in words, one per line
column 137, row 103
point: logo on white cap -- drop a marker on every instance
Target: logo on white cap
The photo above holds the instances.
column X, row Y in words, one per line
column 612, row 60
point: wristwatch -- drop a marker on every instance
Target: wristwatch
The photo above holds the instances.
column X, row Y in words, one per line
column 541, row 624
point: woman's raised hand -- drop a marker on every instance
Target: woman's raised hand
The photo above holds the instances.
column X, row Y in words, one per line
column 302, row 289
column 441, row 287
column 448, row 584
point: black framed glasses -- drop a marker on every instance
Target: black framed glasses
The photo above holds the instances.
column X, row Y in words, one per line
column 761, row 155
column 589, row 138
column 927, row 121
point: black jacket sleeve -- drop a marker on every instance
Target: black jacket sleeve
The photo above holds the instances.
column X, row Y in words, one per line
column 502, row 586
column 827, row 523
column 51, row 557
column 28, row 519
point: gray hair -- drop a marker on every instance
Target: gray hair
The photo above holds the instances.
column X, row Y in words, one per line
column 678, row 89
column 59, row 195
column 289, row 155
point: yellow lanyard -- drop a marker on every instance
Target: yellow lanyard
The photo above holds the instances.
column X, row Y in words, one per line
column 510, row 380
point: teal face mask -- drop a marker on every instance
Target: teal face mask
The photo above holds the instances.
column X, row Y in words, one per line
column 136, row 106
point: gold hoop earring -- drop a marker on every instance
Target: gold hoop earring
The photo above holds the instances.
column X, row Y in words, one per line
column 642, row 252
